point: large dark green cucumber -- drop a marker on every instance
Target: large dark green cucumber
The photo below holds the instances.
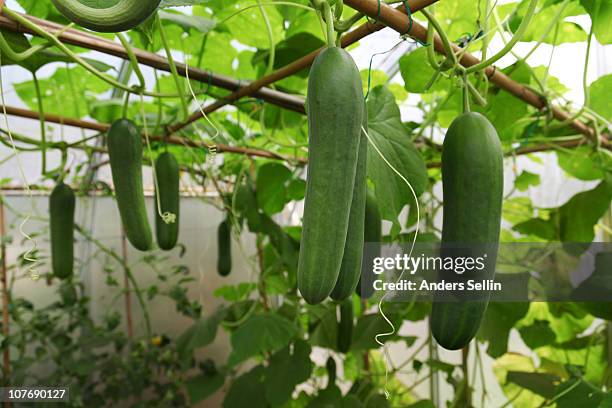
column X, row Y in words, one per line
column 125, row 153
column 472, row 181
column 350, row 270
column 224, row 246
column 372, row 238
column 335, row 115
column 167, row 172
column 345, row 326
column 61, row 212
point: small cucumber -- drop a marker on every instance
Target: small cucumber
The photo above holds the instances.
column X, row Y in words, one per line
column 61, row 211
column 473, row 184
column 125, row 153
column 167, row 171
column 373, row 238
column 345, row 326
column 224, row 242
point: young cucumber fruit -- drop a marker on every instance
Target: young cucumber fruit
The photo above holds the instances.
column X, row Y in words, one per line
column 61, row 212
column 125, row 153
column 472, row 181
column 107, row 16
column 345, row 326
column 335, row 115
column 372, row 239
column 350, row 269
column 224, row 242
column 167, row 172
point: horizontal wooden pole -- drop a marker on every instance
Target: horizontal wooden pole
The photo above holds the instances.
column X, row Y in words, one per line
column 92, row 42
column 174, row 140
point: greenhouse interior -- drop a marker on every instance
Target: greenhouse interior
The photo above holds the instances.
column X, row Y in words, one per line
column 306, row 203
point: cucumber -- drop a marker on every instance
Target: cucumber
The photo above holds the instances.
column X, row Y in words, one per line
column 330, row 366
column 472, row 181
column 335, row 114
column 345, row 326
column 61, row 212
column 224, row 245
column 125, row 153
column 350, row 270
column 597, row 285
column 372, row 237
column 107, row 16
column 167, row 171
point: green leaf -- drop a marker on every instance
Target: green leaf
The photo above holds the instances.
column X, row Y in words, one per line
column 203, row 386
column 601, row 15
column 272, row 183
column 247, row 390
column 386, row 130
column 498, row 321
column 234, row 293
column 261, row 333
column 526, row 179
column 540, row 383
column 584, row 163
column 577, row 395
column 579, row 215
column 366, row 330
column 422, row 404
column 201, row 334
column 416, row 71
column 599, row 92
column 249, row 27
column 287, row 369
column 187, row 22
column 538, row 334
column 607, row 401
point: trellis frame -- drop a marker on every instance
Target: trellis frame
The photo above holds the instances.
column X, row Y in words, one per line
column 395, row 18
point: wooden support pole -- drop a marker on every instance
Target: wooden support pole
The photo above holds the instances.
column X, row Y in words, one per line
column 400, row 22
column 6, row 357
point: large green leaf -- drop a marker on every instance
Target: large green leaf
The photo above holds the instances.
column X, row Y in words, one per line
column 287, row 369
column 601, row 15
column 499, row 319
column 579, row 215
column 600, row 96
column 203, row 386
column 272, row 187
column 392, row 140
column 201, row 334
column 247, row 390
column 261, row 333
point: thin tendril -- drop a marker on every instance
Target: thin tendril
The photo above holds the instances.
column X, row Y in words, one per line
column 27, row 256
column 416, row 233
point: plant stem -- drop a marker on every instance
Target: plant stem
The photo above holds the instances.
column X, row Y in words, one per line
column 508, row 47
column 173, row 70
column 43, row 131
column 329, row 21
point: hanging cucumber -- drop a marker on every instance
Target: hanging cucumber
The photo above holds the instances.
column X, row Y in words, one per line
column 167, row 172
column 345, row 326
column 350, row 270
column 125, row 153
column 224, row 243
column 61, row 212
column 335, row 115
column 107, row 16
column 372, row 237
column 472, row 181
